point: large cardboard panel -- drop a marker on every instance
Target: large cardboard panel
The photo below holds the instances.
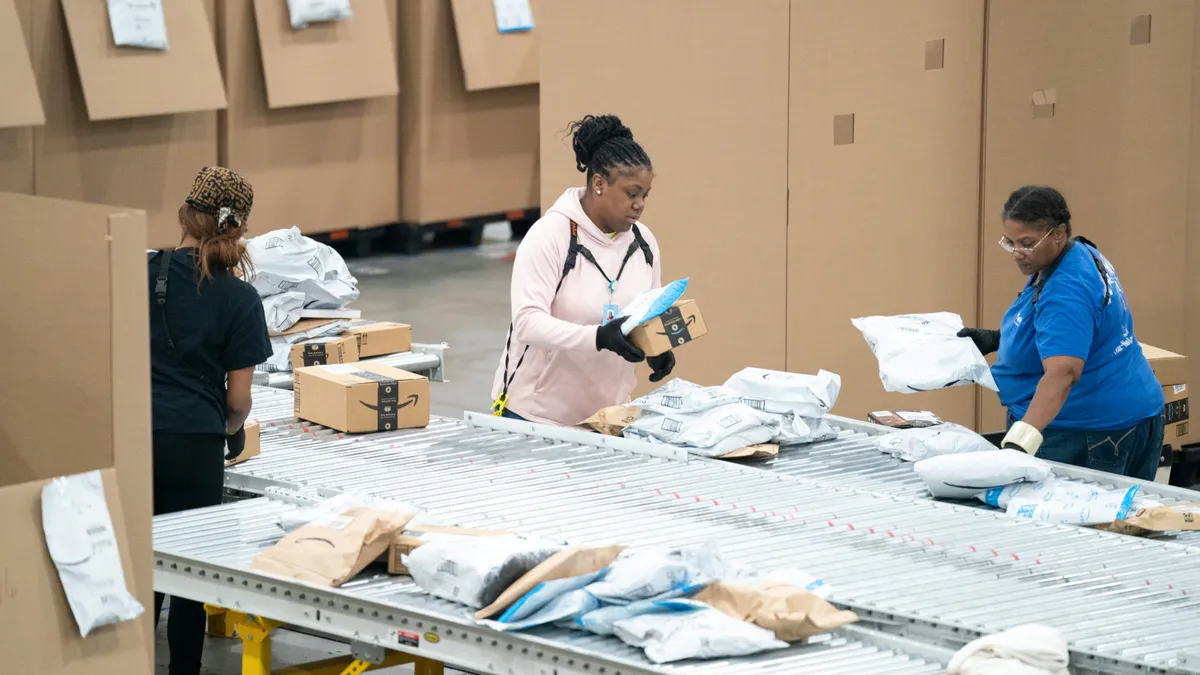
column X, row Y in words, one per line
column 321, row 167
column 1112, row 142
column 76, row 385
column 1191, row 286
column 463, row 154
column 327, row 61
column 20, row 106
column 128, row 82
column 884, row 204
column 16, row 143
column 719, row 204
column 490, row 58
column 40, row 633
column 147, row 163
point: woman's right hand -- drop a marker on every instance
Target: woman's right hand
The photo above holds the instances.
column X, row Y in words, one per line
column 610, row 338
column 988, row 341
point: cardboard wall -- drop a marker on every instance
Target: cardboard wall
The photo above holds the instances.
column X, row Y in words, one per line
column 20, row 106
column 1114, row 145
column 1191, row 281
column 145, row 162
column 883, row 207
column 70, row 415
column 708, row 101
column 463, row 154
column 320, row 167
column 16, row 143
column 492, row 59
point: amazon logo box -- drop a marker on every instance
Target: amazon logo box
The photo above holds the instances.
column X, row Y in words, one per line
column 362, row 397
column 674, row 328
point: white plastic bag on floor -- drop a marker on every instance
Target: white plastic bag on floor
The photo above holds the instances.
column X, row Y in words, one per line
column 651, row 304
column 712, row 430
column 286, row 261
column 778, row 392
column 303, row 12
column 912, row 445
column 82, row 544
column 683, row 397
column 1025, row 650
column 1064, row 502
column 703, row 633
column 474, row 571
column 922, row 352
column 968, row 475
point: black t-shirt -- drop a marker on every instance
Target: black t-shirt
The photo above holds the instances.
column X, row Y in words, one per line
column 218, row 326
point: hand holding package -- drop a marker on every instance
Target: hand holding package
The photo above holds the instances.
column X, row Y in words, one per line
column 651, row 304
column 964, row 476
column 286, row 261
column 922, row 352
column 912, row 445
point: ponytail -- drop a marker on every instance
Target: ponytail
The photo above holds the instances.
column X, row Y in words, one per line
column 221, row 249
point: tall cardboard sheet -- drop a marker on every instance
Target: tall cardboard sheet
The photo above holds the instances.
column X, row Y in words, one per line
column 127, row 82
column 1113, row 143
column 16, row 143
column 1191, row 286
column 20, row 105
column 76, row 396
column 146, row 163
column 492, row 59
column 320, row 167
column 329, row 61
column 463, row 154
column 719, row 203
column 883, row 214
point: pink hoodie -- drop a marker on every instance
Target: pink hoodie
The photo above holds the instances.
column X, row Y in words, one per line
column 565, row 379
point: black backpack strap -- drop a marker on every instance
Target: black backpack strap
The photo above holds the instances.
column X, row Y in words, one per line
column 160, row 294
column 572, row 256
column 641, row 243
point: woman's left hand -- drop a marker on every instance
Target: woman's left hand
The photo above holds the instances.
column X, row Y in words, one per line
column 661, row 365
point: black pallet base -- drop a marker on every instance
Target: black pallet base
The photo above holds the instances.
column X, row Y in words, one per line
column 358, row 243
column 412, row 238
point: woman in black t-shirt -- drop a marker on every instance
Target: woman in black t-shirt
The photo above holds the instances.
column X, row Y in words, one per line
column 207, row 333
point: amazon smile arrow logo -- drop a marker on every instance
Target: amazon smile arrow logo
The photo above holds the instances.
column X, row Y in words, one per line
column 680, row 328
column 410, row 401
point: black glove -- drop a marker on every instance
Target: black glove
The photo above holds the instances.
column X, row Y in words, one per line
column 988, row 341
column 610, row 338
column 662, row 365
column 235, row 443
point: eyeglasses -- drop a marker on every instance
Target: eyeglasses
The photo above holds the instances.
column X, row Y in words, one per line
column 1007, row 245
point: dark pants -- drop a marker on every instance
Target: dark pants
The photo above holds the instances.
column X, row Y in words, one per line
column 189, row 473
column 1132, row 452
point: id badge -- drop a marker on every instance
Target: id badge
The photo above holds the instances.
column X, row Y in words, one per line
column 611, row 312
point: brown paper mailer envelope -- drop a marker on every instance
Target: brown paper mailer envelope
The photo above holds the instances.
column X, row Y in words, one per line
column 333, row 550
column 491, row 59
column 329, row 61
column 791, row 612
column 303, row 326
column 753, row 452
column 21, row 104
column 570, row 562
column 1182, row 517
column 123, row 82
column 408, row 540
column 612, row 420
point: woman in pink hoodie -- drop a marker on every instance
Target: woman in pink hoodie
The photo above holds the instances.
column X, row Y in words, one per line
column 584, row 260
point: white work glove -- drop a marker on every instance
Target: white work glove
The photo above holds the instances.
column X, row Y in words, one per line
column 1023, row 436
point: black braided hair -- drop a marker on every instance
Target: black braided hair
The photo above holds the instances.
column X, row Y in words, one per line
column 602, row 143
column 1038, row 205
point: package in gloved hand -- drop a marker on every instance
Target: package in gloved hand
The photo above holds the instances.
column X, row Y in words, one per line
column 650, row 304
column 922, row 352
column 474, row 571
column 968, row 475
column 912, row 445
column 699, row 634
column 778, row 392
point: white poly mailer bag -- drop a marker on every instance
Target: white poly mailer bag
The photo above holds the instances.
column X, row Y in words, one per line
column 912, row 445
column 83, row 545
column 1030, row 649
column 796, row 430
column 286, row 261
column 290, row 521
column 776, row 391
column 698, row 634
column 922, row 352
column 707, row 429
column 602, row 621
column 474, row 571
column 303, row 12
column 283, row 310
column 280, row 360
column 651, row 304
column 1064, row 503
column 138, row 23
column 967, row 475
column 683, row 397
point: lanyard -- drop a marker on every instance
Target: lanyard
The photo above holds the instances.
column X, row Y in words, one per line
column 612, row 283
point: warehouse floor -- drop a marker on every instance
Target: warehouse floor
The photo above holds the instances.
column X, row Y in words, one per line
column 459, row 297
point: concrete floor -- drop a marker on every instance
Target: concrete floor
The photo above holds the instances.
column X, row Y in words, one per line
column 459, row 297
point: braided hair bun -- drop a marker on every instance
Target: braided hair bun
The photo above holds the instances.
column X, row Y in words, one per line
column 602, row 143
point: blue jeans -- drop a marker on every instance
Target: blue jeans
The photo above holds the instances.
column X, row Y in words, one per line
column 1132, row 452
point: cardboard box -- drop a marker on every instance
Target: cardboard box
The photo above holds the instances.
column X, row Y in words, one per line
column 380, row 338
column 1178, row 411
column 362, row 397
column 491, row 59
column 405, row 542
column 253, row 444
column 677, row 326
column 324, row 351
column 1169, row 368
column 20, row 106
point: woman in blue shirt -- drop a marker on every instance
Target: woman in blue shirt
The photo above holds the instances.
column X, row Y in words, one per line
column 1070, row 370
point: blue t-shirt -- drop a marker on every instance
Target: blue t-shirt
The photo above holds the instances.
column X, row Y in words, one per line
column 1117, row 389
